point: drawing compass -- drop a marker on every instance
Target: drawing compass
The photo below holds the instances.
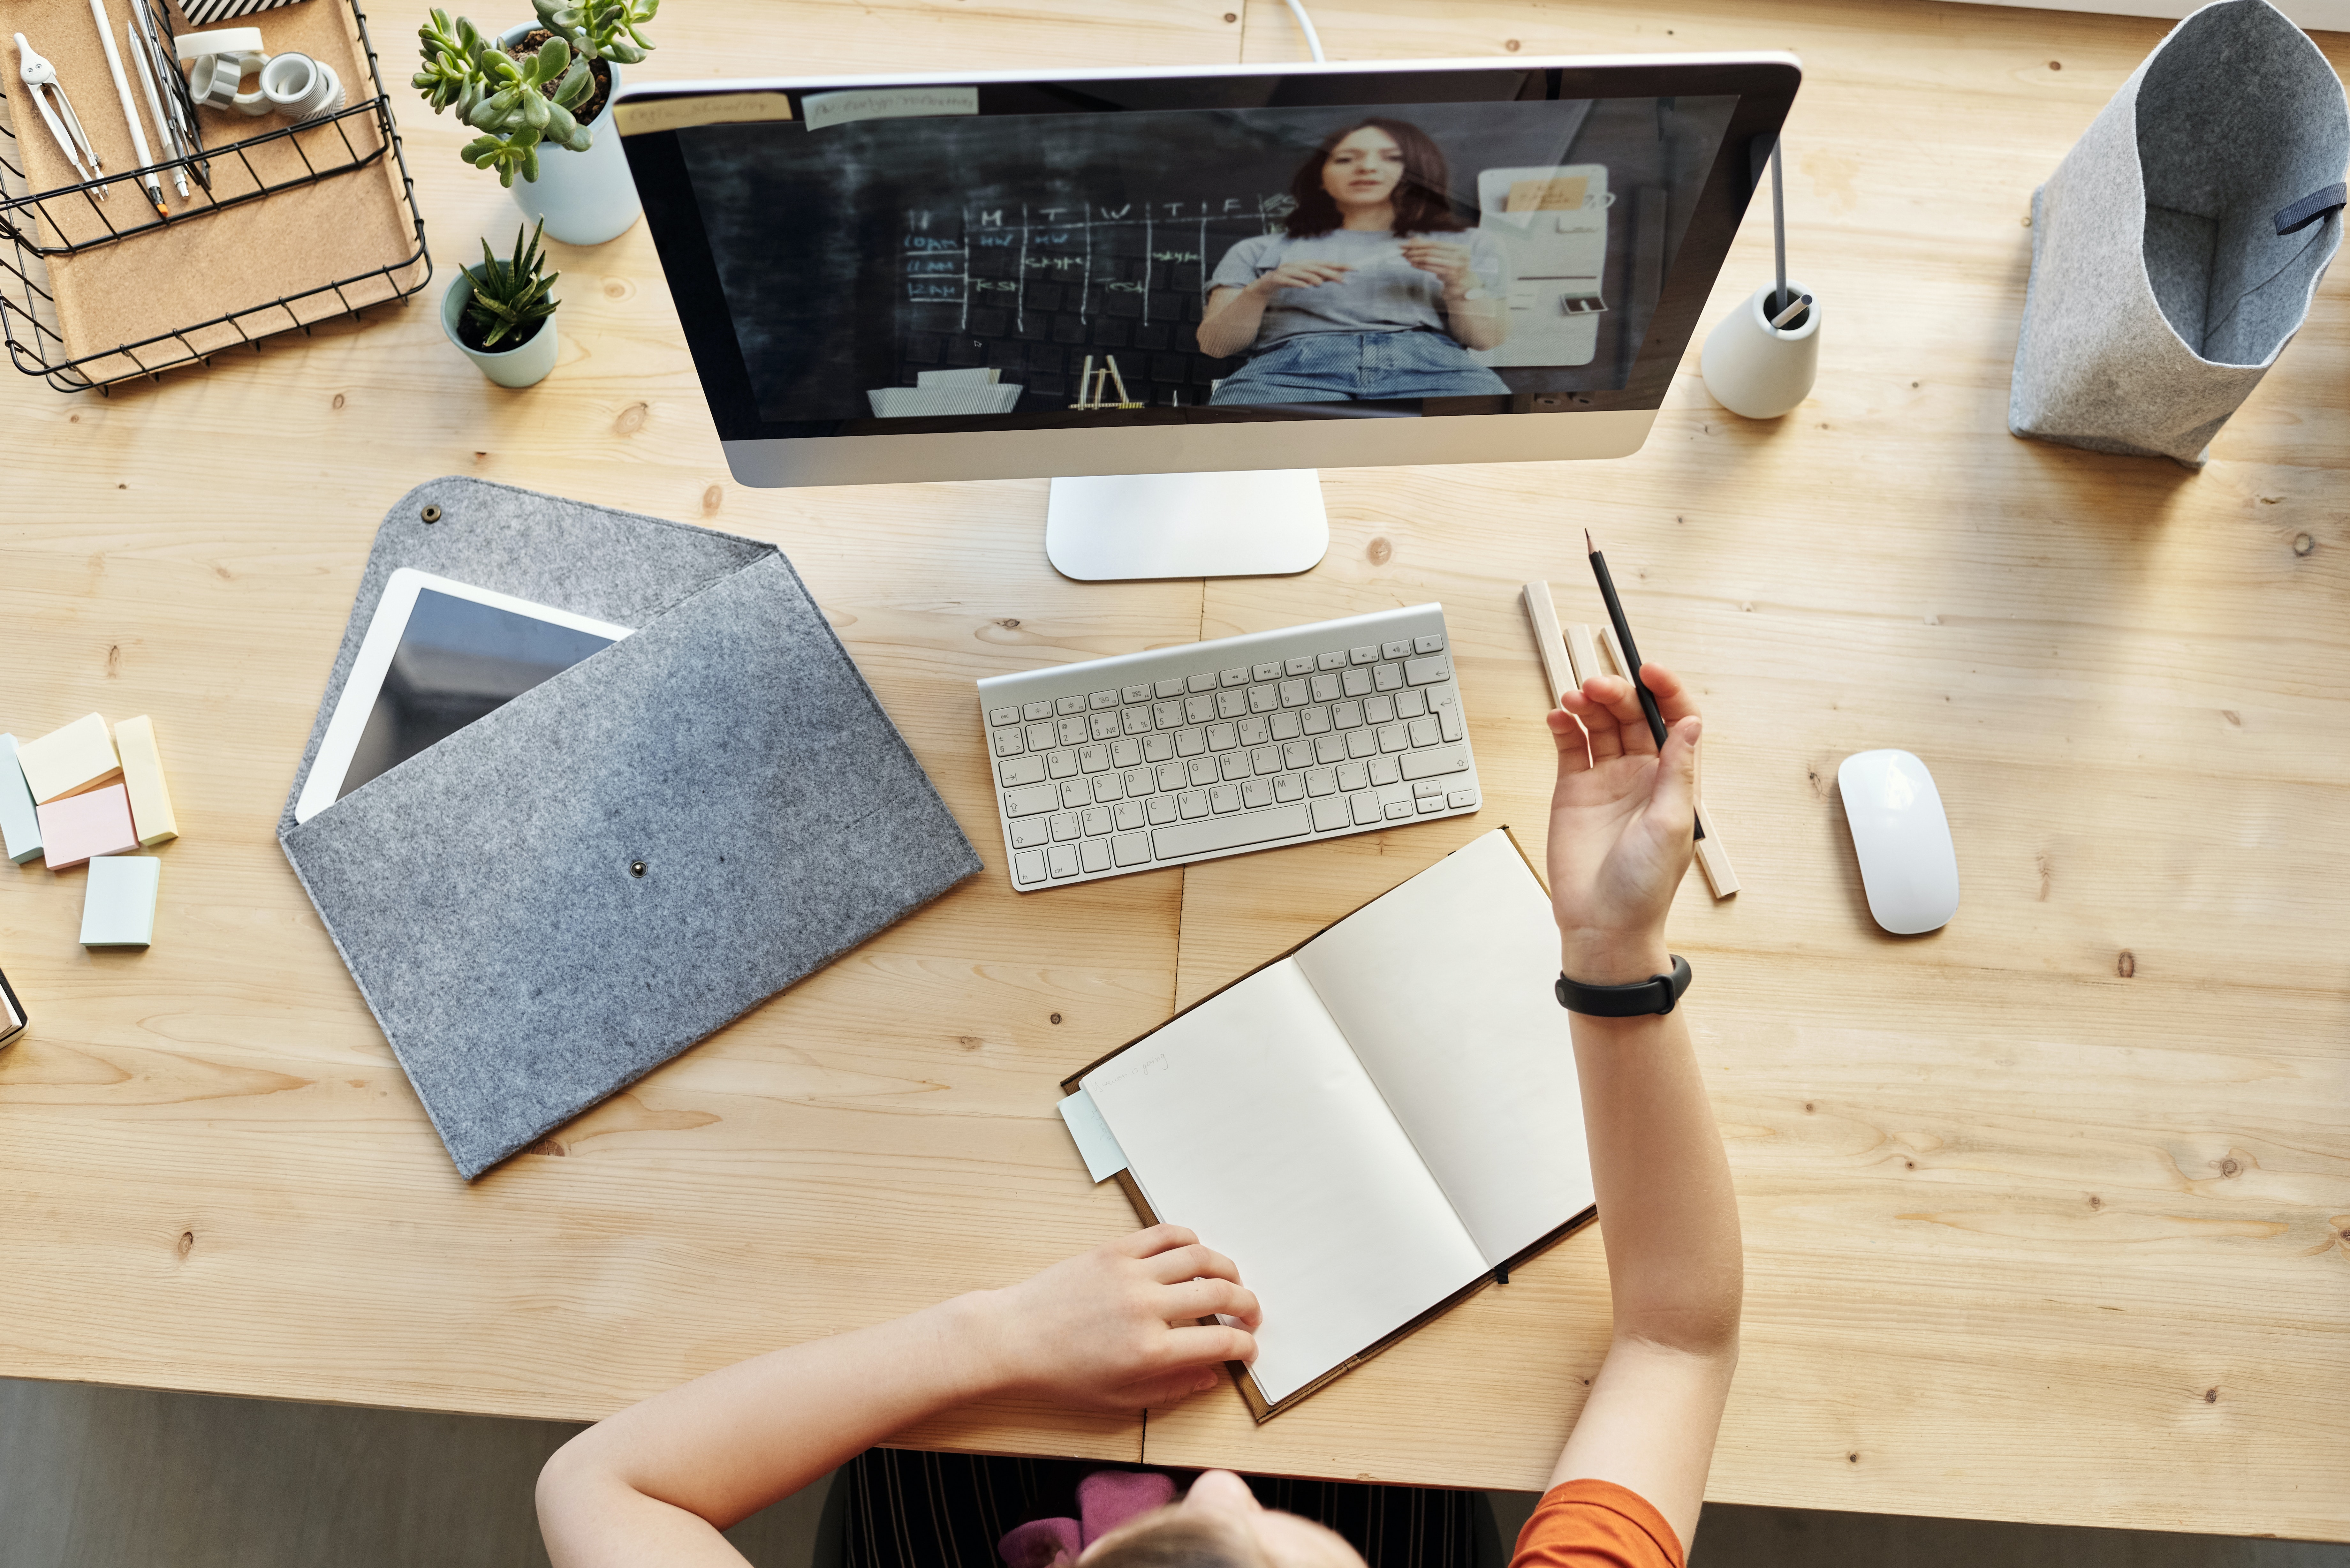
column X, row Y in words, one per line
column 41, row 79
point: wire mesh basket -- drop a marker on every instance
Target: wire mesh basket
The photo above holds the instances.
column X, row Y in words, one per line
column 46, row 232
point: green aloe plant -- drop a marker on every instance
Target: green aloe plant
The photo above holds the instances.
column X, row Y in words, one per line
column 514, row 104
column 510, row 298
column 600, row 29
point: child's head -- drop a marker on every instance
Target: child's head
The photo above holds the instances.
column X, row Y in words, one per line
column 1219, row 1523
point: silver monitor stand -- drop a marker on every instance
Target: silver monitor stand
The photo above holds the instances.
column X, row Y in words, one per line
column 1254, row 522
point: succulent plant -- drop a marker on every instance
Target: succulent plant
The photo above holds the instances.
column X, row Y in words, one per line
column 509, row 101
column 600, row 29
column 510, row 296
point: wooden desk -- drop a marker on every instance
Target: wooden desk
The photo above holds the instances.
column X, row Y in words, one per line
column 2048, row 1215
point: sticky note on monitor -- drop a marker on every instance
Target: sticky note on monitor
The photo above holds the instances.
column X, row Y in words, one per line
column 83, row 827
column 118, row 909
column 1548, row 195
column 70, row 761
column 20, row 828
column 142, row 775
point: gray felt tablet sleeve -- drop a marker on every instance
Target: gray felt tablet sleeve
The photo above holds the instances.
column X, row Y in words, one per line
column 2174, row 252
column 483, row 891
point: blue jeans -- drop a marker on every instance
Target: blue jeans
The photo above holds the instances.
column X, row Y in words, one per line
column 1360, row 367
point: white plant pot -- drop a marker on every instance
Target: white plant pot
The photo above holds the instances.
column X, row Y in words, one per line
column 1758, row 370
column 586, row 197
column 525, row 365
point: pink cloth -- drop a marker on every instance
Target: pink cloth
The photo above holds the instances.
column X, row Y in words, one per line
column 1106, row 1499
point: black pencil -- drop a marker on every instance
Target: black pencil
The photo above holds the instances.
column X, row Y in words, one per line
column 1624, row 643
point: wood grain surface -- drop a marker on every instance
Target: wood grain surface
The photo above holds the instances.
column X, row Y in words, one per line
column 2048, row 1214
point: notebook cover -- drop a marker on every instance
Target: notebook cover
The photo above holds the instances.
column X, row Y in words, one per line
column 1259, row 1407
column 482, row 892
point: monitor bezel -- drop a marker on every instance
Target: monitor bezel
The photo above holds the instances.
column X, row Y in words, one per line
column 1594, row 424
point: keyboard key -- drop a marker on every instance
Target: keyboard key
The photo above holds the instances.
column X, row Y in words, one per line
column 1224, row 798
column 1037, row 710
column 1293, row 693
column 1256, row 792
column 1124, row 754
column 1427, row 805
column 1356, row 682
column 1040, row 737
column 1235, row 767
column 1264, row 699
column 1192, row 804
column 1395, row 650
column 1266, row 761
column 1031, row 831
column 1435, row 762
column 1072, row 731
column 1232, row 703
column 1345, row 715
column 1160, row 809
column 1028, row 866
column 1267, row 672
column 1353, row 776
column 1317, row 721
column 1330, row 662
column 1232, row 832
column 1138, row 781
column 1366, row 808
column 1420, row 671
column 1378, row 709
column 1020, row 771
column 1133, row 849
column 1093, row 758
column 1329, row 748
column 1289, row 786
column 1392, row 738
column 1362, row 743
column 1100, row 699
column 1137, row 694
column 1172, row 776
column 1284, row 726
column 1167, row 715
column 1170, row 688
column 1320, row 782
column 1103, row 726
column 1448, row 711
column 1003, row 715
column 1066, row 826
column 1069, row 705
column 1410, row 704
column 1298, row 667
column 1255, row 732
column 1233, row 678
column 1106, row 789
column 1029, row 801
column 1428, row 789
column 1429, row 644
column 1094, row 853
column 1325, row 688
column 1060, row 764
column 1423, row 732
column 1199, row 684
column 1158, row 748
column 1330, row 813
column 1128, row 814
column 1199, row 710
column 1074, row 793
column 1297, row 755
column 1388, row 678
column 1367, row 654
column 1062, row 860
column 1222, row 737
column 1135, row 720
column 1384, row 771
column 1460, row 797
column 1397, row 810
column 1203, row 771
column 1097, row 820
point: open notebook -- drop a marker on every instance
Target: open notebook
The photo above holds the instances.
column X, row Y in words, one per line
column 1369, row 1126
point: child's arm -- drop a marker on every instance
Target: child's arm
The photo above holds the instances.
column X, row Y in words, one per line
column 1112, row 1329
column 1620, row 839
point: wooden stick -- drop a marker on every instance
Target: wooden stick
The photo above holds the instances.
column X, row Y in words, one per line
column 1720, row 876
column 1549, row 642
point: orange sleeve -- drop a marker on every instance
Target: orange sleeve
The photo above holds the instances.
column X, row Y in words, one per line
column 1596, row 1524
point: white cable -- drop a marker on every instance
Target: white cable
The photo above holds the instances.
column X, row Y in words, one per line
column 1305, row 24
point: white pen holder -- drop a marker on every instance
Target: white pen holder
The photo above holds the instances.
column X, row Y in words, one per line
column 1754, row 368
column 300, row 88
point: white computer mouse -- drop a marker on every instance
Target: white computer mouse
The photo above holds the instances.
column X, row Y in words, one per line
column 1908, row 863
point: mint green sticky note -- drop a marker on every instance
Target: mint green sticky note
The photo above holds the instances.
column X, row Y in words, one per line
column 118, row 910
column 20, row 830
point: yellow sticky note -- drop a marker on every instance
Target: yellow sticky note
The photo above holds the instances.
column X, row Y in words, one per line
column 1561, row 195
column 68, row 761
column 1526, row 195
column 142, row 773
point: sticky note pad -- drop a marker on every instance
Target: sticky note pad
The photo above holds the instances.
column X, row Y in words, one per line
column 118, row 909
column 20, row 829
column 82, row 827
column 68, row 761
column 142, row 775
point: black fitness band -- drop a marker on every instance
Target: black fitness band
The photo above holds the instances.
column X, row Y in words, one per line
column 1657, row 993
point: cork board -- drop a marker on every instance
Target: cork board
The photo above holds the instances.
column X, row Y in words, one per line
column 234, row 261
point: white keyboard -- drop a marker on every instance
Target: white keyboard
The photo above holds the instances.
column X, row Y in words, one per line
column 1221, row 748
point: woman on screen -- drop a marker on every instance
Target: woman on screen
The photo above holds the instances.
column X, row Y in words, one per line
column 1375, row 292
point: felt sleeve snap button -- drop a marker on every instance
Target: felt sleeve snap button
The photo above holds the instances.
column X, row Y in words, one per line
column 635, row 868
column 430, row 515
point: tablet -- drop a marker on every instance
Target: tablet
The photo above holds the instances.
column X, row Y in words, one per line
column 437, row 655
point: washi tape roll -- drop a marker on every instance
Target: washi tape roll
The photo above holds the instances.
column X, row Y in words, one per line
column 301, row 88
column 215, row 80
column 229, row 41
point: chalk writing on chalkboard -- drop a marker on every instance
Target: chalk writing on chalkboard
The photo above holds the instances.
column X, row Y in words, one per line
column 1092, row 246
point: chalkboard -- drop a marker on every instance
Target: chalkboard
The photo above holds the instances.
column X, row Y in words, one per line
column 859, row 256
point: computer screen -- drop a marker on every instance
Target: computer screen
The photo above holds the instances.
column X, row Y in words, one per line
column 1182, row 251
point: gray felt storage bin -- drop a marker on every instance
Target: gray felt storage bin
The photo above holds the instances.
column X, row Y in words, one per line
column 2178, row 246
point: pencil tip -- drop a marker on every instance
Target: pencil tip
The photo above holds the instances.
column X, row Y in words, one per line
column 1589, row 548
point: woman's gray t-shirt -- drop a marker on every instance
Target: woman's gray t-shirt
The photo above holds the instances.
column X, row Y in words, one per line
column 1385, row 293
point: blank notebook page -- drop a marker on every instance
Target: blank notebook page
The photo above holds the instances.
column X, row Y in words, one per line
column 1444, row 989
column 1250, row 1121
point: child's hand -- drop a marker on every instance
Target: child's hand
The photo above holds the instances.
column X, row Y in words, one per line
column 1118, row 1328
column 1622, row 825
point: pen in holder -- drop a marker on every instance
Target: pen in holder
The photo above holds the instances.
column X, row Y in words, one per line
column 1762, row 360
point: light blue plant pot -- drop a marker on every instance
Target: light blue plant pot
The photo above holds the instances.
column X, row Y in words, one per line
column 525, row 365
column 586, row 197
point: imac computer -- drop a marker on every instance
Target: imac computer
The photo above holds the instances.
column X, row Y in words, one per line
column 1178, row 293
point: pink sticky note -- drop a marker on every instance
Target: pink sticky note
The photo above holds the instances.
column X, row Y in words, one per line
column 81, row 825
